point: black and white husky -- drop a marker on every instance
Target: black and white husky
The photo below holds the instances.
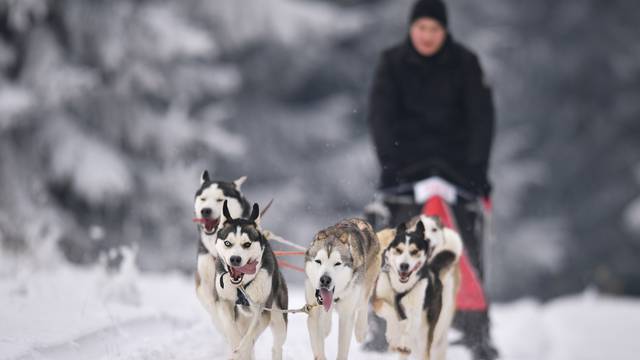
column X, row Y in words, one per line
column 208, row 203
column 341, row 266
column 416, row 290
column 249, row 289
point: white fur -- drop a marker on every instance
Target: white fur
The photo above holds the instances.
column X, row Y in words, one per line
column 222, row 311
column 236, row 241
column 411, row 333
column 441, row 238
column 351, row 307
column 243, row 331
column 340, row 274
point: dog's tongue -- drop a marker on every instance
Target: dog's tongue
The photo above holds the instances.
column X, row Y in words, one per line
column 327, row 298
column 209, row 224
column 249, row 268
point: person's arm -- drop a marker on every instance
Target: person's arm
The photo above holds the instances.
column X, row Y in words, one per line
column 481, row 121
column 383, row 111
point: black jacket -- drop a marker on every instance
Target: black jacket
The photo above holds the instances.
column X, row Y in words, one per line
column 432, row 115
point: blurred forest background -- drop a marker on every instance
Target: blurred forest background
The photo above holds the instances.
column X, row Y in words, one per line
column 110, row 109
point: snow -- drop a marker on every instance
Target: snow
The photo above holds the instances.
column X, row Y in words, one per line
column 287, row 21
column 65, row 312
column 14, row 101
column 173, row 36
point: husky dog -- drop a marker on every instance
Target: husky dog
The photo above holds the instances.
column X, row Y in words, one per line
column 341, row 266
column 416, row 291
column 208, row 210
column 249, row 288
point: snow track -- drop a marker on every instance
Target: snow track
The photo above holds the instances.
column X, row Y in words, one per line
column 89, row 314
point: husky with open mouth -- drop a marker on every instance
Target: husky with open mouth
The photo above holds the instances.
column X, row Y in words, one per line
column 341, row 266
column 208, row 203
column 247, row 283
column 417, row 288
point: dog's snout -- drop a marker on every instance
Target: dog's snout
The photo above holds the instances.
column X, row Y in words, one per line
column 404, row 267
column 235, row 260
column 206, row 212
column 325, row 281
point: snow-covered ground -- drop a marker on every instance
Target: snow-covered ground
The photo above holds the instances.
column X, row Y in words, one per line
column 65, row 312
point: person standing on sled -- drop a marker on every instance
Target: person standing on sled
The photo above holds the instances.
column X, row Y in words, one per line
column 431, row 113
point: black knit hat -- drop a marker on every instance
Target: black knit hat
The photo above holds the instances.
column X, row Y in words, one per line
column 434, row 9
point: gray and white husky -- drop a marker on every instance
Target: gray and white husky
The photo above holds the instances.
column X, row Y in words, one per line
column 208, row 202
column 416, row 290
column 249, row 289
column 341, row 266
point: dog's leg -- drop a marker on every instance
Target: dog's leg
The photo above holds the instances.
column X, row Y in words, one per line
column 422, row 346
column 225, row 313
column 316, row 332
column 279, row 331
column 347, row 312
column 362, row 322
column 344, row 335
column 246, row 343
column 440, row 348
column 205, row 280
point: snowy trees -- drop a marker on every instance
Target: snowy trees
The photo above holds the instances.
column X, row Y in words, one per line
column 109, row 110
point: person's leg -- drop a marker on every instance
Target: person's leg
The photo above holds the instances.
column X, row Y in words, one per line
column 475, row 325
column 399, row 212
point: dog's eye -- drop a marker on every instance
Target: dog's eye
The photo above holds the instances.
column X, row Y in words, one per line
column 434, row 230
column 338, row 264
column 220, row 200
column 227, row 243
column 203, row 199
column 318, row 261
column 414, row 253
column 398, row 251
column 246, row 245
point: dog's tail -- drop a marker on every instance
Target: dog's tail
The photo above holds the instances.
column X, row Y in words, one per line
column 452, row 243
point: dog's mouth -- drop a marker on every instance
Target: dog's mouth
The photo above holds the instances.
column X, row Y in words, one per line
column 324, row 297
column 210, row 225
column 403, row 276
column 237, row 272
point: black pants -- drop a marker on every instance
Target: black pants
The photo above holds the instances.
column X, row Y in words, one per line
column 470, row 220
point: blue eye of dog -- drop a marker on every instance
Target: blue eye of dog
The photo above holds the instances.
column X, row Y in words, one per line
column 319, row 262
column 227, row 244
column 338, row 264
column 246, row 245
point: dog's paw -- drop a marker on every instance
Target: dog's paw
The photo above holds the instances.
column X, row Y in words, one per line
column 361, row 328
column 237, row 354
column 400, row 349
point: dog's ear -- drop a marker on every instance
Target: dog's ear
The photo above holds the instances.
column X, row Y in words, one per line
column 225, row 211
column 420, row 228
column 239, row 181
column 255, row 212
column 204, row 177
column 401, row 229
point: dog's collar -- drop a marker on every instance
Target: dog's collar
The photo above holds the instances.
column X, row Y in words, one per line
column 240, row 298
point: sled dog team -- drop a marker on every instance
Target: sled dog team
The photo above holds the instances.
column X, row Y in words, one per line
column 409, row 274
